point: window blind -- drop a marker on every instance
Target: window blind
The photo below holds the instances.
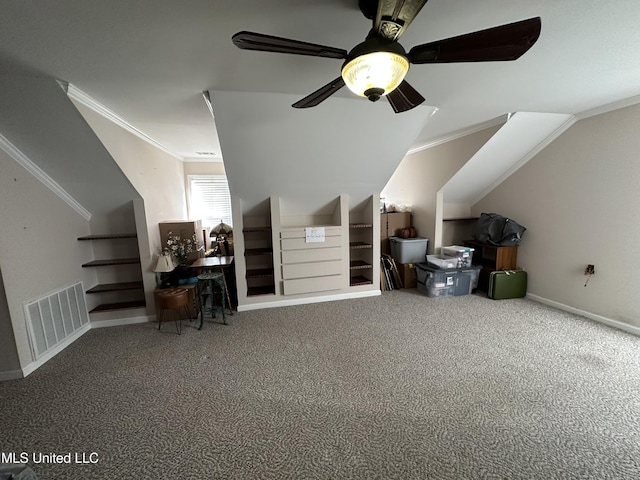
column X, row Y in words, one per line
column 210, row 199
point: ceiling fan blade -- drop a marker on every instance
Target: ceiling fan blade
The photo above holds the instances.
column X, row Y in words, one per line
column 503, row 43
column 404, row 98
column 320, row 95
column 394, row 16
column 369, row 8
column 269, row 43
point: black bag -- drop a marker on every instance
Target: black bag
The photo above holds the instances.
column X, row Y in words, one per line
column 497, row 230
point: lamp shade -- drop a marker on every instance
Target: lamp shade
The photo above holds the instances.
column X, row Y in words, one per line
column 221, row 229
column 377, row 72
column 166, row 263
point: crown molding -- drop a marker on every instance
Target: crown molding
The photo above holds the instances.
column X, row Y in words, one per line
column 460, row 133
column 207, row 100
column 76, row 94
column 610, row 107
column 37, row 172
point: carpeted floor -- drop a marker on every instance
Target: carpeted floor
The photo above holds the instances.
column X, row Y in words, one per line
column 392, row 387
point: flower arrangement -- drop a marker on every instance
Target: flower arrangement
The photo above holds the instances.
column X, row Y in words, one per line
column 180, row 247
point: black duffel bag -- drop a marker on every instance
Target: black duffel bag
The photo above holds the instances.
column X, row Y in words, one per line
column 495, row 229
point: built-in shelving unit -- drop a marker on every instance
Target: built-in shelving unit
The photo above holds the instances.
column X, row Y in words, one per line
column 455, row 229
column 258, row 255
column 361, row 237
column 359, row 267
column 295, row 250
column 121, row 293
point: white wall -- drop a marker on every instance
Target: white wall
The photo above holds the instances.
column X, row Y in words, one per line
column 579, row 199
column 39, row 251
column 203, row 168
column 421, row 175
column 305, row 159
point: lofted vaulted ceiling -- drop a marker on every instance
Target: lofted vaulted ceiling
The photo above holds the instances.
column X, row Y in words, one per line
column 149, row 60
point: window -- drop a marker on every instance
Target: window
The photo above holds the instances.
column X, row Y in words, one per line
column 209, row 199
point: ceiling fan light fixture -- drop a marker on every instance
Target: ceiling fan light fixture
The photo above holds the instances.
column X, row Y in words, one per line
column 372, row 72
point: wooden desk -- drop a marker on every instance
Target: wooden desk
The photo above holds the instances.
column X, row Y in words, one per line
column 210, row 263
column 215, row 263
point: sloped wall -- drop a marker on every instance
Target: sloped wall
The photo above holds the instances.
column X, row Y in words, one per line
column 39, row 119
column 579, row 200
column 39, row 252
column 311, row 156
column 422, row 174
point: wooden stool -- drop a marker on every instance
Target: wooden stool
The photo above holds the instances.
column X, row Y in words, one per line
column 207, row 283
column 173, row 299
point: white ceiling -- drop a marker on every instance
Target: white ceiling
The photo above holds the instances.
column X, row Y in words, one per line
column 149, row 60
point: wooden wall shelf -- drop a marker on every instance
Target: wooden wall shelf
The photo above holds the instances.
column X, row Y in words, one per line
column 116, row 236
column 115, row 287
column 107, row 307
column 259, row 273
column 110, row 289
column 359, row 280
column 111, row 262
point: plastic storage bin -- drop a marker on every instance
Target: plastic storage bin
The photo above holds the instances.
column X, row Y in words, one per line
column 434, row 292
column 408, row 250
column 445, row 282
column 474, row 273
column 442, row 261
column 463, row 254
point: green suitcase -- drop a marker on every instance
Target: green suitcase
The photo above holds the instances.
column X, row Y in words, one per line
column 507, row 284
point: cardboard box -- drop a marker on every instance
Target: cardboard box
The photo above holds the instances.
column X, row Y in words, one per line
column 392, row 223
column 407, row 273
column 184, row 229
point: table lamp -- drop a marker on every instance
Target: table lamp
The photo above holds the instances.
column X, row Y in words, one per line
column 221, row 233
column 165, row 264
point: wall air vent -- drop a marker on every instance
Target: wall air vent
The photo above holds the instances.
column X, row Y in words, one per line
column 55, row 318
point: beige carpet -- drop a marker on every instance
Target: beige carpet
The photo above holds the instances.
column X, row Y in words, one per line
column 392, row 387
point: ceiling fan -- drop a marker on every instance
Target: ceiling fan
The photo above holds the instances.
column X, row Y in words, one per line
column 377, row 66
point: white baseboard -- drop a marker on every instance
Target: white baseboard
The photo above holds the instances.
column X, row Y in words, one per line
column 591, row 316
column 117, row 322
column 55, row 350
column 301, row 301
column 11, row 375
